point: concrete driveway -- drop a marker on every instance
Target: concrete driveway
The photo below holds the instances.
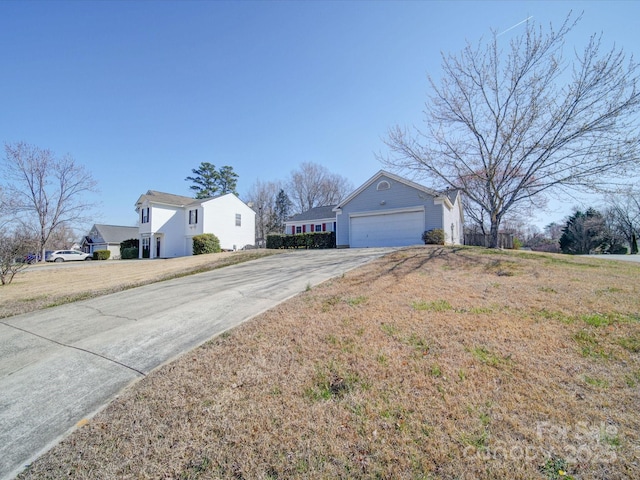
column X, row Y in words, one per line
column 623, row 258
column 61, row 365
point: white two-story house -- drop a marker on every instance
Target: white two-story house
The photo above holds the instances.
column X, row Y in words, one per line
column 167, row 223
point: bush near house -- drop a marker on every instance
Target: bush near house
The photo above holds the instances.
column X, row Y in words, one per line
column 101, row 254
column 302, row 240
column 434, row 236
column 129, row 253
column 206, row 243
column 131, row 243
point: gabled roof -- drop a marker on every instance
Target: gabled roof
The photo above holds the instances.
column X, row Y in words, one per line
column 154, row 196
column 393, row 177
column 452, row 194
column 316, row 213
column 116, row 233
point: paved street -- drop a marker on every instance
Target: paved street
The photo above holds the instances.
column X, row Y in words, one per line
column 61, row 365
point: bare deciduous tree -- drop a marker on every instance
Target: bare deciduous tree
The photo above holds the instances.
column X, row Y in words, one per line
column 511, row 124
column 13, row 247
column 623, row 212
column 312, row 185
column 62, row 238
column 262, row 196
column 45, row 192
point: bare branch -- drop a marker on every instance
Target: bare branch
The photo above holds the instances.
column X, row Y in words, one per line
column 509, row 129
column 46, row 192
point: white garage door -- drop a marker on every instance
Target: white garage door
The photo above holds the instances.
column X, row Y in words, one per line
column 390, row 230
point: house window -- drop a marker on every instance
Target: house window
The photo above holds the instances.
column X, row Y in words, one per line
column 193, row 217
column 238, row 220
column 145, row 215
column 318, row 228
column 298, row 229
column 383, row 185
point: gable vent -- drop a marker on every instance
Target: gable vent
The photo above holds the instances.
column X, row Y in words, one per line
column 383, row 185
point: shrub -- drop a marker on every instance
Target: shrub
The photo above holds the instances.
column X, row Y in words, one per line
column 434, row 236
column 275, row 241
column 517, row 244
column 206, row 243
column 129, row 253
column 302, row 240
column 618, row 250
column 101, row 254
column 131, row 243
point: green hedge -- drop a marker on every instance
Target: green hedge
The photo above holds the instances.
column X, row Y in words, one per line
column 101, row 254
column 206, row 243
column 302, row 240
column 131, row 243
column 129, row 253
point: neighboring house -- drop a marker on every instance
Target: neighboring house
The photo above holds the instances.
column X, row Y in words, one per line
column 318, row 219
column 107, row 237
column 167, row 223
column 391, row 211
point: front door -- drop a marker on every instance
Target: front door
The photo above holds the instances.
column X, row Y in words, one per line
column 157, row 247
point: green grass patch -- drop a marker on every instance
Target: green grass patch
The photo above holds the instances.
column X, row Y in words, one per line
column 604, row 320
column 555, row 468
column 555, row 315
column 382, row 359
column 631, row 343
column 486, row 356
column 481, row 310
column 331, row 382
column 435, row 306
column 609, row 290
column 597, row 319
column 357, row 300
column 503, row 268
column 589, row 345
column 567, row 260
column 478, row 440
column 389, row 329
column 632, row 379
column 418, row 343
column 595, row 382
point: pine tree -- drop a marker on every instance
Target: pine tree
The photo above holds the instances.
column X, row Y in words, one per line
column 281, row 212
column 209, row 182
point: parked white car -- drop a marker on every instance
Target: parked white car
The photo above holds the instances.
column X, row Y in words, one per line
column 68, row 256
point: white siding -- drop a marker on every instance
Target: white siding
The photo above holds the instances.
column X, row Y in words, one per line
column 168, row 223
column 219, row 218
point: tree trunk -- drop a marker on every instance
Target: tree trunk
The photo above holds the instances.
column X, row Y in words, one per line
column 494, row 238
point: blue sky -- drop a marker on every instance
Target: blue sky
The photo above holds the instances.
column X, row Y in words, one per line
column 141, row 92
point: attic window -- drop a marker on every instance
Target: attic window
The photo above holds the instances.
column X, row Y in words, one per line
column 383, row 185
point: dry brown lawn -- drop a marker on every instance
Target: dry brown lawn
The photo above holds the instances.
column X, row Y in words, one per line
column 428, row 363
column 45, row 285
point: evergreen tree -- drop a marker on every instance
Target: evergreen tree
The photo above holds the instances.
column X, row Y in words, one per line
column 281, row 212
column 209, row 181
column 583, row 233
